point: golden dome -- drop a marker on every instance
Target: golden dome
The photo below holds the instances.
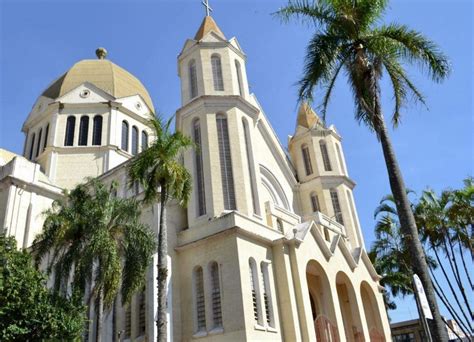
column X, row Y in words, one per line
column 103, row 74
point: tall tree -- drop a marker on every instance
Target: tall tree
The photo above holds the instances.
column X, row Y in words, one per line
column 95, row 242
column 163, row 177
column 349, row 38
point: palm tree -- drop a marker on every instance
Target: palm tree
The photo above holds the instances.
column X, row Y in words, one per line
column 95, row 243
column 347, row 38
column 163, row 177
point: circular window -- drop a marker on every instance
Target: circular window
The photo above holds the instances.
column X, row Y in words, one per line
column 85, row 93
column 138, row 105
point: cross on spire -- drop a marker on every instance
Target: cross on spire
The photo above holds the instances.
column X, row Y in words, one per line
column 208, row 8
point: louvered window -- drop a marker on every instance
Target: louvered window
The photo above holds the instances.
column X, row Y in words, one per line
column 307, row 160
column 267, row 297
column 226, row 163
column 193, row 79
column 336, row 206
column 315, row 202
column 217, row 73
column 46, row 134
column 70, row 126
column 97, row 131
column 325, row 155
column 125, row 135
column 83, row 130
column 144, row 140
column 200, row 190
column 239, row 78
column 251, row 169
column 38, row 144
column 200, row 301
column 134, row 140
column 32, row 146
column 128, row 322
column 254, row 290
column 216, row 296
column 141, row 314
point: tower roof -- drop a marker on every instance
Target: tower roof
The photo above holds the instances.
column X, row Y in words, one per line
column 208, row 25
column 103, row 74
column 307, row 117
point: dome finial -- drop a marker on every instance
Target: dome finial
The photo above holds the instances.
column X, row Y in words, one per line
column 101, row 53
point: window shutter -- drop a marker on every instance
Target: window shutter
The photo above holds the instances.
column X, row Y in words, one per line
column 315, row 202
column 336, row 206
column 307, row 160
column 32, row 146
column 225, row 163
column 216, row 296
column 217, row 73
column 144, row 140
column 38, row 145
column 200, row 301
column 201, row 195
column 325, row 155
column 193, row 79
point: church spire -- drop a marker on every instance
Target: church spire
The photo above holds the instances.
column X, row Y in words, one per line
column 307, row 117
column 208, row 25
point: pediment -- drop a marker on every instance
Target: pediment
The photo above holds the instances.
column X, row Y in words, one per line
column 86, row 93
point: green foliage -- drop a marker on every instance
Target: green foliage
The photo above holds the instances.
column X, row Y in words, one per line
column 28, row 310
column 159, row 166
column 348, row 37
column 92, row 237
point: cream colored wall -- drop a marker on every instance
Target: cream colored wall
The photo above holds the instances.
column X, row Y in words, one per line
column 224, row 250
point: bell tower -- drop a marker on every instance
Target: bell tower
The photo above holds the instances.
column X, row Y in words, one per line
column 325, row 187
column 217, row 114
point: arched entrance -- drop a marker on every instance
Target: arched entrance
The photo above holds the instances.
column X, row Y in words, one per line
column 322, row 308
column 372, row 313
column 349, row 308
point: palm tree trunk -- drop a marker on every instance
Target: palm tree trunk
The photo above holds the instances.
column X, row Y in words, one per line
column 99, row 313
column 409, row 229
column 464, row 264
column 161, row 322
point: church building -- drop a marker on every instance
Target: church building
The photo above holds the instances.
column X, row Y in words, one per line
column 269, row 247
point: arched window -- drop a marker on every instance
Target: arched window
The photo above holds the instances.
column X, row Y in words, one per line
column 193, row 88
column 134, row 140
column 70, row 126
column 267, row 295
column 217, row 72
column 83, row 130
column 215, row 295
column 97, row 131
column 32, row 146
column 200, row 305
column 226, row 163
column 307, row 160
column 239, row 78
column 38, row 144
column 336, row 206
column 125, row 135
column 325, row 155
column 46, row 134
column 251, row 167
column 315, row 202
column 200, row 190
column 254, row 288
column 144, row 140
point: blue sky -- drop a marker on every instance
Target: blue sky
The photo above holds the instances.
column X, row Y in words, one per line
column 41, row 39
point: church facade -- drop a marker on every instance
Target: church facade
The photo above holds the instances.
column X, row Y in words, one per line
column 269, row 247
